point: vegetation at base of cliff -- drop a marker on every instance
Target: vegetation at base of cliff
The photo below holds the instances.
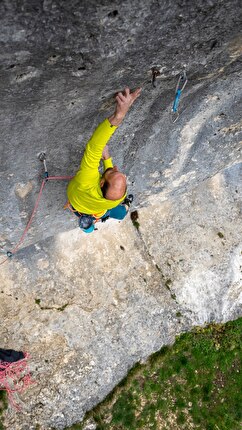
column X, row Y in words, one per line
column 3, row 405
column 194, row 384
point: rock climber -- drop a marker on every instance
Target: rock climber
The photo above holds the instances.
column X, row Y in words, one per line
column 93, row 196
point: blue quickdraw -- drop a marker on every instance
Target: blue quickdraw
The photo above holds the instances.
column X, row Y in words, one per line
column 179, row 88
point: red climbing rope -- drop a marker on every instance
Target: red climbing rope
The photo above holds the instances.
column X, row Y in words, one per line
column 49, row 178
column 15, row 378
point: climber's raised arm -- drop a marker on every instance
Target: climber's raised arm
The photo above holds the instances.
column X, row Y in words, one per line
column 124, row 101
column 89, row 192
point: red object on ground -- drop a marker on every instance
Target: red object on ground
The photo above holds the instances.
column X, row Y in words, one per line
column 15, row 378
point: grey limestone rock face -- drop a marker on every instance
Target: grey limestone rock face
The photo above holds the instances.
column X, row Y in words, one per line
column 88, row 307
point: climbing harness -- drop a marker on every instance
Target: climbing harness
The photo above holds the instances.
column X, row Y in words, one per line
column 182, row 81
column 87, row 222
column 42, row 158
column 73, row 210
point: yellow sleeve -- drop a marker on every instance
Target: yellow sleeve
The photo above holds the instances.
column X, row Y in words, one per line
column 88, row 173
column 107, row 163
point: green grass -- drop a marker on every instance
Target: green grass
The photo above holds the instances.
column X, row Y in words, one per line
column 3, row 405
column 195, row 384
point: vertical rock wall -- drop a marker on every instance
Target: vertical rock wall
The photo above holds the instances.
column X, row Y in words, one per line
column 88, row 308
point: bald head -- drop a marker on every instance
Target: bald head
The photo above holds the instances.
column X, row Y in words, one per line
column 113, row 184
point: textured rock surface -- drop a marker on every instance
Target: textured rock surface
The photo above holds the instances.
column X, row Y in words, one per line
column 88, row 307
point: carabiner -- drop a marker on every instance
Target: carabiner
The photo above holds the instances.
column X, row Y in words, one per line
column 181, row 81
column 42, row 158
column 179, row 88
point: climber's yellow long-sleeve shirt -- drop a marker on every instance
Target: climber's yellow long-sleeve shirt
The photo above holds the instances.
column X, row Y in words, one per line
column 84, row 191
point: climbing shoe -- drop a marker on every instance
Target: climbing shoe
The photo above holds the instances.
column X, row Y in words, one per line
column 128, row 200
